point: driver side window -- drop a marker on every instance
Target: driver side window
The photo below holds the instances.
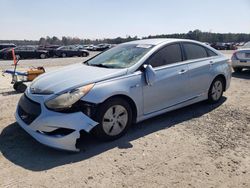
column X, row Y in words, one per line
column 167, row 55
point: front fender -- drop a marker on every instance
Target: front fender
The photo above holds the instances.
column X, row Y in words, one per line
column 129, row 85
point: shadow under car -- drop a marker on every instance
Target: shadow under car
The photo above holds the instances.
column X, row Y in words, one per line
column 21, row 149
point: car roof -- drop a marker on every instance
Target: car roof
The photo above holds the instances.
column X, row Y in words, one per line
column 157, row 41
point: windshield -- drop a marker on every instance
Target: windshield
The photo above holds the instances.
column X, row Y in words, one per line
column 121, row 56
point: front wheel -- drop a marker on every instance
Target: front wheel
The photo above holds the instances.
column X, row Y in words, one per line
column 215, row 91
column 114, row 117
column 18, row 57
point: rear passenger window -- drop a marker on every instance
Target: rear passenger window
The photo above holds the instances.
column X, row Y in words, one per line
column 194, row 51
column 168, row 55
column 211, row 53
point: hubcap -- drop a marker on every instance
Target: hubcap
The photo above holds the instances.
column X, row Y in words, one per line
column 43, row 56
column 115, row 120
column 217, row 90
column 17, row 56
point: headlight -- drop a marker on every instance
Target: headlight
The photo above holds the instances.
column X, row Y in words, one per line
column 66, row 100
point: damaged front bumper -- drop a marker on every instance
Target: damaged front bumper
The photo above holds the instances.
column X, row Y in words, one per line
column 42, row 124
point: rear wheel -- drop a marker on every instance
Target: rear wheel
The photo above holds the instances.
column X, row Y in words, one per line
column 216, row 90
column 237, row 69
column 114, row 117
column 84, row 54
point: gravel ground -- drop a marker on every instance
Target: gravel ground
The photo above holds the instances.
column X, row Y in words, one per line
column 198, row 146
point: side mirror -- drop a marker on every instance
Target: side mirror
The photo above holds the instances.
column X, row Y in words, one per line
column 149, row 74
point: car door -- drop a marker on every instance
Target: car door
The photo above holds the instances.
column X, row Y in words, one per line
column 199, row 65
column 72, row 51
column 31, row 52
column 171, row 82
column 22, row 52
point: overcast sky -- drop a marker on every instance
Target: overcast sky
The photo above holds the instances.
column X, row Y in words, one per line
column 32, row 19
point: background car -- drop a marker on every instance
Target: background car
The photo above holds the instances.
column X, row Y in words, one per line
column 231, row 46
column 241, row 58
column 102, row 47
column 7, row 45
column 219, row 46
column 26, row 52
column 2, row 52
column 224, row 46
column 70, row 51
column 50, row 48
column 91, row 47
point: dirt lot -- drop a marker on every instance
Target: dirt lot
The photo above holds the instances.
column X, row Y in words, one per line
column 199, row 146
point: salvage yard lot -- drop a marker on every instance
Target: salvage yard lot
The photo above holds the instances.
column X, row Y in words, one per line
column 198, row 146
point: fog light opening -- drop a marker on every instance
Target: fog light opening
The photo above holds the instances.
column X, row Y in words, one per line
column 58, row 132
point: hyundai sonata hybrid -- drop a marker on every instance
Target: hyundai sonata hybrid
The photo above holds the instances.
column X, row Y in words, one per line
column 127, row 84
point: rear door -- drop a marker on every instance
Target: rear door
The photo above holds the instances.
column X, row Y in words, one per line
column 21, row 51
column 200, row 61
column 171, row 84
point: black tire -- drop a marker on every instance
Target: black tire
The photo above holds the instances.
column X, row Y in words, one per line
column 237, row 69
column 20, row 87
column 99, row 130
column 214, row 97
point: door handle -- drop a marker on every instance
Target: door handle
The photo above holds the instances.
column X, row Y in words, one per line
column 211, row 62
column 183, row 71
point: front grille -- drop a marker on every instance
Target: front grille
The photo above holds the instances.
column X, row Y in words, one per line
column 28, row 110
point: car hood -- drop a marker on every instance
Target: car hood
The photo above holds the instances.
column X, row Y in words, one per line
column 71, row 77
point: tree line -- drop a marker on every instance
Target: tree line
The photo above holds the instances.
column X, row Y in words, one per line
column 194, row 35
column 208, row 36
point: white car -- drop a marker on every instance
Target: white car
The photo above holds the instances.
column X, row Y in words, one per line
column 241, row 58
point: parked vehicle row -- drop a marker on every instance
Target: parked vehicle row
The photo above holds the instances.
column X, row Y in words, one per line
column 27, row 52
column 224, row 46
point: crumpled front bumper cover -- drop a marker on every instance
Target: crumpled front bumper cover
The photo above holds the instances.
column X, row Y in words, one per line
column 49, row 121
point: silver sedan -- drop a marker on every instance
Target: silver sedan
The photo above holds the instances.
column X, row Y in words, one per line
column 127, row 84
